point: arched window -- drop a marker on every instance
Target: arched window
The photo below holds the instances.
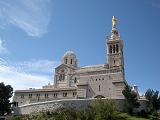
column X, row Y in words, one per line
column 66, row 61
column 62, row 75
column 114, row 48
column 110, row 50
column 117, row 48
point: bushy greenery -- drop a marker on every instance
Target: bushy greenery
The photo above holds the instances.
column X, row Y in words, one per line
column 131, row 99
column 101, row 109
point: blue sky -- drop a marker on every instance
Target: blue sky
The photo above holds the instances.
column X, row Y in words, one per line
column 34, row 35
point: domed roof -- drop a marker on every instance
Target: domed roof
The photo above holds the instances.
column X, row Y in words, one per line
column 69, row 53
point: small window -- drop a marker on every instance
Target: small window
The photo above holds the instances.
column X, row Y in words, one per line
column 46, row 95
column 71, row 61
column 66, row 61
column 75, row 80
column 64, row 94
column 99, row 88
column 38, row 95
column 102, row 78
column 30, row 95
column 22, row 96
column 96, row 79
column 62, row 76
column 110, row 50
column 16, row 104
column 114, row 48
column 117, row 48
column 55, row 95
column 74, row 94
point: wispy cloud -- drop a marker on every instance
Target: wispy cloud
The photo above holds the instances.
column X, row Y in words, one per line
column 32, row 16
column 21, row 76
column 3, row 48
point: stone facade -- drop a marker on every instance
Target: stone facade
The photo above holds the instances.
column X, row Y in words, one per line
column 74, row 82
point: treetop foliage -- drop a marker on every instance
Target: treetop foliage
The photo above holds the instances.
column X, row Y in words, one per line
column 131, row 99
column 6, row 92
column 153, row 98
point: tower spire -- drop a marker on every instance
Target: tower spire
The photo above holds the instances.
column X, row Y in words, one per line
column 114, row 32
column 114, row 22
column 115, row 48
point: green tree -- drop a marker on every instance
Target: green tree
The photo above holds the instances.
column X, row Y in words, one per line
column 153, row 100
column 131, row 99
column 5, row 93
column 103, row 109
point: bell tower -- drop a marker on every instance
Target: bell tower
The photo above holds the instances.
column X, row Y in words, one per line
column 115, row 48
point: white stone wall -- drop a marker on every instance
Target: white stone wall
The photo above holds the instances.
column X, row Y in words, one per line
column 51, row 106
column 69, row 103
column 109, row 85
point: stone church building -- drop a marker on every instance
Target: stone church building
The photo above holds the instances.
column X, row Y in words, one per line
column 73, row 82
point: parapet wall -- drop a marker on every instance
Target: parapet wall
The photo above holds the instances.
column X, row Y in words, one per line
column 68, row 103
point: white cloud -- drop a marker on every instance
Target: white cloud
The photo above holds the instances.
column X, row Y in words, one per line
column 3, row 49
column 32, row 16
column 18, row 78
column 36, row 66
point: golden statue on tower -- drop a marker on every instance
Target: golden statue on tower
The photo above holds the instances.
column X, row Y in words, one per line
column 114, row 21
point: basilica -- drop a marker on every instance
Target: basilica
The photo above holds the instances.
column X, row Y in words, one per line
column 74, row 82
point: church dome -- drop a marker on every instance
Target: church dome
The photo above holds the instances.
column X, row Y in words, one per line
column 69, row 53
column 69, row 58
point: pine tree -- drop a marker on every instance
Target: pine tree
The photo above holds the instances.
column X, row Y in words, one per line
column 131, row 99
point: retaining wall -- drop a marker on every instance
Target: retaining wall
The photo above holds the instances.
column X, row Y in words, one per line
column 72, row 103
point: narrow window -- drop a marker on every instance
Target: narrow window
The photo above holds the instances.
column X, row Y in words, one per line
column 75, row 80
column 114, row 61
column 110, row 50
column 117, row 48
column 74, row 94
column 38, row 95
column 64, row 94
column 46, row 95
column 62, row 76
column 66, row 61
column 16, row 104
column 22, row 96
column 55, row 95
column 114, row 48
column 71, row 61
column 30, row 95
column 99, row 88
